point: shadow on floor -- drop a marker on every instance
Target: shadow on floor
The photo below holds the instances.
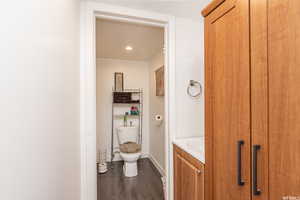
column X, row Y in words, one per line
column 113, row 185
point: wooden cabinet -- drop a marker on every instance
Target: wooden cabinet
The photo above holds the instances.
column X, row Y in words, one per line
column 283, row 99
column 227, row 101
column 252, row 99
column 188, row 176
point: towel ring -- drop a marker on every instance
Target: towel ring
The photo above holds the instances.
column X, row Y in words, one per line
column 194, row 84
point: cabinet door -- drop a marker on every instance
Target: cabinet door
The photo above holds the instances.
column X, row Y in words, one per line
column 259, row 94
column 177, row 175
column 227, row 102
column 188, row 180
column 284, row 98
column 275, row 94
column 191, row 183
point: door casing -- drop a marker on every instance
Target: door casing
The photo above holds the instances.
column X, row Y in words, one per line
column 89, row 12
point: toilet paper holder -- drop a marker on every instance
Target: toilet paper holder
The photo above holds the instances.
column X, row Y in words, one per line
column 158, row 120
column 194, row 84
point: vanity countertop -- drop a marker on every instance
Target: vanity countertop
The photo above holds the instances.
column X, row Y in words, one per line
column 193, row 146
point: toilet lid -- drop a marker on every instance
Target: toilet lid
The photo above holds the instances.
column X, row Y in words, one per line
column 130, row 147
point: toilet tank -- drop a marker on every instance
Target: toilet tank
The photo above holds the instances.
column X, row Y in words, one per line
column 127, row 134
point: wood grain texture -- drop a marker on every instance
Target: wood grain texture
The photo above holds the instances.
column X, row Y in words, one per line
column 113, row 185
column 177, row 175
column 284, row 98
column 227, row 104
column 188, row 176
column 208, row 176
column 259, row 91
column 275, row 97
column 188, row 157
column 210, row 7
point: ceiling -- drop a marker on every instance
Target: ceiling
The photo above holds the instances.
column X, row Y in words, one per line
column 178, row 8
column 112, row 37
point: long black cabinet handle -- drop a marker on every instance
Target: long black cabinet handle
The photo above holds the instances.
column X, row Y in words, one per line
column 256, row 191
column 239, row 163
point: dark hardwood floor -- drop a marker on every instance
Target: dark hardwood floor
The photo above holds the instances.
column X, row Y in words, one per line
column 113, row 185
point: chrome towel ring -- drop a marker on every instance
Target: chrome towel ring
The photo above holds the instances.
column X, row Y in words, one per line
column 194, row 89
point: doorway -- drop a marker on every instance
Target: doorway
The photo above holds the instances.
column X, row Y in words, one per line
column 90, row 12
column 130, row 110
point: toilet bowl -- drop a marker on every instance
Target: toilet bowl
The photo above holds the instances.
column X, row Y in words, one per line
column 130, row 163
column 130, row 151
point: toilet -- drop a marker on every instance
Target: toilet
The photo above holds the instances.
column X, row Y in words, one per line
column 130, row 150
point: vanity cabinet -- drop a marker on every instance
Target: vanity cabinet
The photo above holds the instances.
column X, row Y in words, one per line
column 252, row 100
column 188, row 176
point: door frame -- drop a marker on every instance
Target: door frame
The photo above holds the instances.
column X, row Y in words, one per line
column 89, row 11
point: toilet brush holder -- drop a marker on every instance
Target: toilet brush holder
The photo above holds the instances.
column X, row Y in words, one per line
column 102, row 165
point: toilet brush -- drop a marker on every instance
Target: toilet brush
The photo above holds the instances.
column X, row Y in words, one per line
column 102, row 165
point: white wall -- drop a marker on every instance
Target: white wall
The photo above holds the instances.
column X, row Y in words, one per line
column 189, row 65
column 189, row 57
column 156, row 133
column 39, row 84
column 136, row 75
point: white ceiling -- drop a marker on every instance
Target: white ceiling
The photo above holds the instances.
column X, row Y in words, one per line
column 179, row 8
column 112, row 37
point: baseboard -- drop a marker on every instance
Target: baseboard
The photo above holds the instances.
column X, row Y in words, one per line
column 157, row 165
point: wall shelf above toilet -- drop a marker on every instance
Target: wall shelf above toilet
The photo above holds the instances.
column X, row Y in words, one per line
column 123, row 102
column 121, row 116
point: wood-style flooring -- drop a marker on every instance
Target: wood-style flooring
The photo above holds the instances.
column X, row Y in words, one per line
column 113, row 185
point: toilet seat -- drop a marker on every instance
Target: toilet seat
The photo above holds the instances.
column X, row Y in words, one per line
column 130, row 147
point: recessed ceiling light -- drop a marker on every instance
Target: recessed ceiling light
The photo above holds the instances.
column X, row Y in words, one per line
column 128, row 48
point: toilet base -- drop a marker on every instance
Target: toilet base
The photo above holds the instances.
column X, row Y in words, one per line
column 130, row 169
